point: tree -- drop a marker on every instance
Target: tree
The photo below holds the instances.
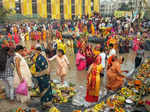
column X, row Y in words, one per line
column 4, row 13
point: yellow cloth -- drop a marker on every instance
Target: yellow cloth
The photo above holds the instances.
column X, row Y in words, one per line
column 95, row 91
column 33, row 68
column 113, row 41
column 62, row 46
column 85, row 29
column 27, row 36
column 93, row 29
column 96, row 53
column 70, row 47
column 44, row 35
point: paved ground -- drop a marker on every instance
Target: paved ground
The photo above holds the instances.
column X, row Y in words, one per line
column 78, row 78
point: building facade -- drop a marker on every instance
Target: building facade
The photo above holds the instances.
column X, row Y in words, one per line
column 55, row 9
column 107, row 8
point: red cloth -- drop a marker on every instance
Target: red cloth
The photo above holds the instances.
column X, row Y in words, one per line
column 79, row 44
column 9, row 36
column 90, row 98
column 59, row 35
column 89, row 55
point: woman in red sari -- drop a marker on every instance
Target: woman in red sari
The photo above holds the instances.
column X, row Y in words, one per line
column 93, row 81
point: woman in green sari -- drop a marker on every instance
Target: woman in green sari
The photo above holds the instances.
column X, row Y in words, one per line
column 43, row 78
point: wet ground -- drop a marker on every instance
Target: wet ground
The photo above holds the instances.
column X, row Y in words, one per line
column 74, row 76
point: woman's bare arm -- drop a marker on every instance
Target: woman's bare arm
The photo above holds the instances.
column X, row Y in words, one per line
column 18, row 69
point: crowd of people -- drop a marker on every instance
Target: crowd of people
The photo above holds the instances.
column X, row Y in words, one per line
column 48, row 44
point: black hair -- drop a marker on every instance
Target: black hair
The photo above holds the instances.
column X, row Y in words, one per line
column 38, row 49
column 61, row 51
column 101, row 49
column 123, row 59
column 137, row 111
column 111, row 45
column 114, row 58
column 19, row 47
column 38, row 41
column 141, row 46
column 47, row 51
column 3, row 58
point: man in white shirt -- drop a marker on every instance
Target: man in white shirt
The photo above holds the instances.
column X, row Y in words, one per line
column 38, row 44
column 103, row 57
column 112, row 50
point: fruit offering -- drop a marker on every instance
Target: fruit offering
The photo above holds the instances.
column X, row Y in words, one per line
column 53, row 109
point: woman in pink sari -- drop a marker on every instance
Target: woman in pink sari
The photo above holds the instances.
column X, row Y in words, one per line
column 36, row 35
column 80, row 61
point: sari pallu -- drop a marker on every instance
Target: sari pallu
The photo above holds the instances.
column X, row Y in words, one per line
column 45, row 88
column 43, row 79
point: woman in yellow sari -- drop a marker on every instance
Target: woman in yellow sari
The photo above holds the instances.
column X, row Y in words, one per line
column 44, row 35
column 39, row 33
column 93, row 84
column 27, row 36
column 92, row 29
column 84, row 29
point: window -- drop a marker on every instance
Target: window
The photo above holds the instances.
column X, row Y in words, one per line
column 73, row 8
column 34, row 6
column 49, row 8
column 83, row 7
column 62, row 8
column 18, row 7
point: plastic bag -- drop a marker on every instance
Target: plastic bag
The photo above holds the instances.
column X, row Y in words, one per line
column 22, row 89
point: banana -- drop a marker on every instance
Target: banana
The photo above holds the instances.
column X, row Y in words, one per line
column 53, row 109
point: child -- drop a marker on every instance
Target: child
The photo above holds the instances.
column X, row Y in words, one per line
column 62, row 63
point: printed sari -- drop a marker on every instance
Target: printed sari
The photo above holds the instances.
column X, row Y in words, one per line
column 43, row 79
